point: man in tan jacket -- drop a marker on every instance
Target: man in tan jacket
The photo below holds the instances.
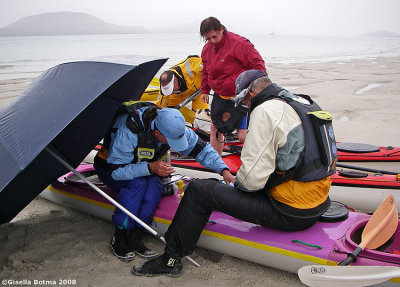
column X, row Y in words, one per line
column 282, row 183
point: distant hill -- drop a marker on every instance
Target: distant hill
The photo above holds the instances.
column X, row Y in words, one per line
column 65, row 23
column 382, row 33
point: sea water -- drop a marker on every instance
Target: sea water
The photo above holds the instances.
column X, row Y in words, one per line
column 25, row 57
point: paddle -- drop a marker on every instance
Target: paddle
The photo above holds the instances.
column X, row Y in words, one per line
column 379, row 228
column 188, row 99
column 110, row 199
column 349, row 276
column 366, row 169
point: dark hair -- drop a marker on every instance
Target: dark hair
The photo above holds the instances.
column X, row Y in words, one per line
column 166, row 77
column 210, row 24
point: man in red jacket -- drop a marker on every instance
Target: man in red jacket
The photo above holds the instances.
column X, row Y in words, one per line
column 225, row 56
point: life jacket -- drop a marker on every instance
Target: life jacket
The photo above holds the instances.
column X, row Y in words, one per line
column 188, row 73
column 319, row 156
column 146, row 149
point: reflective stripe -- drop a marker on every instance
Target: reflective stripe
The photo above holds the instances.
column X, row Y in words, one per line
column 188, row 69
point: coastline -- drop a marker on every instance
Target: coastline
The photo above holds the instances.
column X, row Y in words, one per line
column 49, row 242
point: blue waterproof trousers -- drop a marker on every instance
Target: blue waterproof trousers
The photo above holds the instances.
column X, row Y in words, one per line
column 140, row 196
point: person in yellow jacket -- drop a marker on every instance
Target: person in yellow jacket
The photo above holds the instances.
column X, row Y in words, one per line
column 180, row 82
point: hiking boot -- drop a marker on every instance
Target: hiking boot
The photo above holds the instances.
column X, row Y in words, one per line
column 119, row 245
column 137, row 246
column 141, row 250
column 162, row 265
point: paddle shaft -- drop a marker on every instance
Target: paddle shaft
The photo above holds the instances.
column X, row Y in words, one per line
column 379, row 228
column 366, row 169
column 188, row 99
column 351, row 257
column 110, row 199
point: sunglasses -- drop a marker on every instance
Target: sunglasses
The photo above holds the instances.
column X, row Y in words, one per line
column 212, row 37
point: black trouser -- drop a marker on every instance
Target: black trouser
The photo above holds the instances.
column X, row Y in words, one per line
column 219, row 107
column 203, row 196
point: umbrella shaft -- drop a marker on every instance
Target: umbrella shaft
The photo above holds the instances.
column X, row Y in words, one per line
column 148, row 228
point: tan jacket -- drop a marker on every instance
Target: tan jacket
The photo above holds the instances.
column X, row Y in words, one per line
column 267, row 143
column 275, row 141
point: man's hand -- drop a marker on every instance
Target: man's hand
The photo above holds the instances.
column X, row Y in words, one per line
column 161, row 168
column 204, row 98
column 228, row 177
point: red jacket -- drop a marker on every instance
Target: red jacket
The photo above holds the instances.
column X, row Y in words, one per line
column 223, row 63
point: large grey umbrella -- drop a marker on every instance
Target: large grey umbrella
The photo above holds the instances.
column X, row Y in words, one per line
column 67, row 110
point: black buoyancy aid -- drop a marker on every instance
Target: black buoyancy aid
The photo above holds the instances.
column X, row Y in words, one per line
column 319, row 156
column 146, row 149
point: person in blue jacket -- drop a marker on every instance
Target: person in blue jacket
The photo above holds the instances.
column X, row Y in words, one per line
column 131, row 163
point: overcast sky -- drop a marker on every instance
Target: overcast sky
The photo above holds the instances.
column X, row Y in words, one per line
column 303, row 17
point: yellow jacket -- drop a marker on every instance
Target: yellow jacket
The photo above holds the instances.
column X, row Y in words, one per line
column 188, row 73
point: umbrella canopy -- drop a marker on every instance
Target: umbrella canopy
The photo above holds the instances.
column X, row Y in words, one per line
column 68, row 109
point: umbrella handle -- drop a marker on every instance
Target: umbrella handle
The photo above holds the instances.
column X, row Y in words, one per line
column 109, row 198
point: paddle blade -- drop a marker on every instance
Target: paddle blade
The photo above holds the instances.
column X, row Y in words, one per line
column 349, row 276
column 381, row 226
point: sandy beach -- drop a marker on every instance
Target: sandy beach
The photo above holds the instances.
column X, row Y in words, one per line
column 59, row 246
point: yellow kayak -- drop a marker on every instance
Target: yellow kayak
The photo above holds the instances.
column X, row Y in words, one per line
column 152, row 91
